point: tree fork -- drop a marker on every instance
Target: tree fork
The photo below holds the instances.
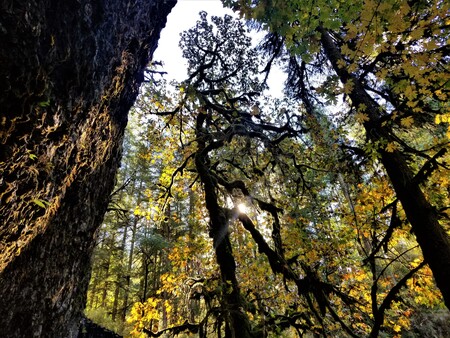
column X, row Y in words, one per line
column 424, row 219
column 70, row 72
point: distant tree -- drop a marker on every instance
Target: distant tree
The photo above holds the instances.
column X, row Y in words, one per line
column 70, row 72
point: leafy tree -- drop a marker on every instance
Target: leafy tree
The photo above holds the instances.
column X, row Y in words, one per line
column 131, row 261
column 112, row 271
column 321, row 215
column 390, row 58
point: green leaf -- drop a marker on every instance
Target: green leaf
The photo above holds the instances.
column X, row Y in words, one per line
column 44, row 104
column 40, row 203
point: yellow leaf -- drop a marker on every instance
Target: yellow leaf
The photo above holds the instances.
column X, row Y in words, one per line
column 341, row 64
column 362, row 107
column 352, row 68
column 407, row 121
column 391, row 147
column 411, row 104
column 361, row 117
column 410, row 92
column 416, row 33
column 348, row 87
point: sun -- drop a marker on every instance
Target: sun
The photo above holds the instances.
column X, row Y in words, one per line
column 242, row 208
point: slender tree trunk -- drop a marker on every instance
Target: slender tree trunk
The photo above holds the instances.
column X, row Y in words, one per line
column 193, row 304
column 93, row 290
column 163, row 319
column 129, row 270
column 119, row 276
column 70, row 72
column 95, row 281
column 105, row 277
column 237, row 323
column 116, row 298
column 431, row 236
column 167, row 233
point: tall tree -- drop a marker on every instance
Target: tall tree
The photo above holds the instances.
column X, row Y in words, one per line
column 391, row 58
column 70, row 72
column 323, row 215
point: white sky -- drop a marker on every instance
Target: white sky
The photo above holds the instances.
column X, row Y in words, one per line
column 184, row 16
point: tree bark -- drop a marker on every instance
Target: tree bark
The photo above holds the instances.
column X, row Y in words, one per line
column 70, row 72
column 237, row 323
column 424, row 219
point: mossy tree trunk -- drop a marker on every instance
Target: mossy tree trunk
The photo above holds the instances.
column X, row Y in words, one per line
column 70, row 71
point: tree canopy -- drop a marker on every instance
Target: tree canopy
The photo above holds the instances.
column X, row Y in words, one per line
column 324, row 211
column 392, row 60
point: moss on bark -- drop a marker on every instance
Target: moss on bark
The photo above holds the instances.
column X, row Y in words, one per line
column 70, row 72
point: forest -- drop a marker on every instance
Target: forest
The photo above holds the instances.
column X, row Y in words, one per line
column 323, row 212
column 209, row 206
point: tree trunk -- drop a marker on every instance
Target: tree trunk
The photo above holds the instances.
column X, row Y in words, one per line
column 70, row 72
column 424, row 219
column 129, row 269
column 119, row 275
column 105, row 278
column 237, row 323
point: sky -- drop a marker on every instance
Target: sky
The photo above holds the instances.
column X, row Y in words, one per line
column 183, row 16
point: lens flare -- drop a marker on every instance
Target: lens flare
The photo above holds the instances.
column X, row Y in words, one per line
column 242, row 208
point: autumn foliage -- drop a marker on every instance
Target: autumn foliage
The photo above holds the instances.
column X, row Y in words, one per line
column 287, row 216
